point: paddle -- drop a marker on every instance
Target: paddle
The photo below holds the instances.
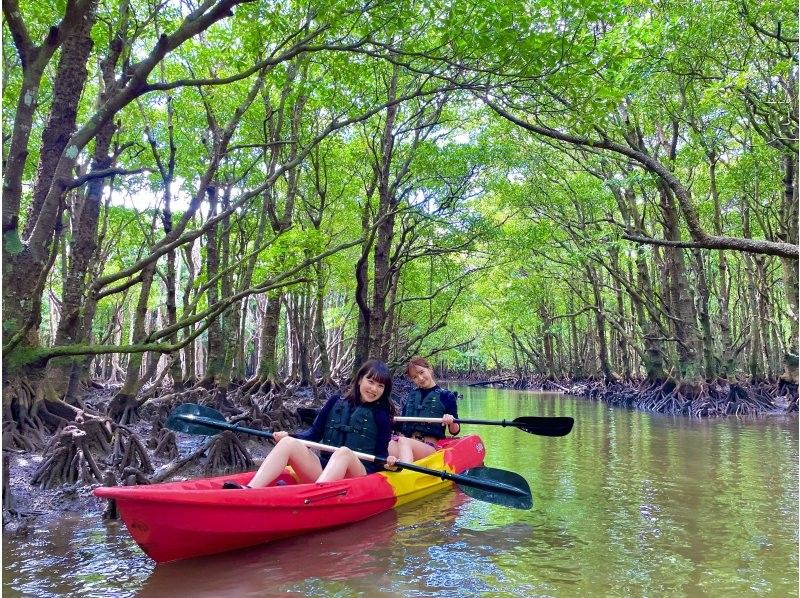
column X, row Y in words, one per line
column 543, row 426
column 483, row 483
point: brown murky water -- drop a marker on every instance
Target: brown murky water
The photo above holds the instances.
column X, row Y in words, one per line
column 628, row 504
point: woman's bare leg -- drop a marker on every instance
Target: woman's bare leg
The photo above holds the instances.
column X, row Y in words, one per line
column 343, row 464
column 409, row 449
column 417, row 448
column 288, row 451
column 401, row 449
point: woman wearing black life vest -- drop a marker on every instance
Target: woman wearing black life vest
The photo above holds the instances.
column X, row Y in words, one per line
column 418, row 440
column 360, row 421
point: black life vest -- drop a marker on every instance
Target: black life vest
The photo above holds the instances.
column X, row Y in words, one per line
column 353, row 428
column 430, row 406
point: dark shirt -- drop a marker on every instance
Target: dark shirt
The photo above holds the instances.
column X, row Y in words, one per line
column 446, row 397
column 383, row 423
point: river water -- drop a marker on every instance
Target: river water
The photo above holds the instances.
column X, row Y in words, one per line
column 628, row 504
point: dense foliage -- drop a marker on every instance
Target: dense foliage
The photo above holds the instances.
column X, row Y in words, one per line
column 246, row 191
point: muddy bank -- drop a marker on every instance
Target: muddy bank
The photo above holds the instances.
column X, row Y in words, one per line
column 716, row 398
column 49, row 473
column 37, row 485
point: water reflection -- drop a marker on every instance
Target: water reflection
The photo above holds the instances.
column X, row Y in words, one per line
column 429, row 544
column 629, row 503
column 75, row 556
column 661, row 505
column 336, row 555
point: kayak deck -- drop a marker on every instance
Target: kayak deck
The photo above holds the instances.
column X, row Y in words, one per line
column 180, row 520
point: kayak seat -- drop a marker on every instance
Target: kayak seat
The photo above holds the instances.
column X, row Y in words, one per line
column 229, row 485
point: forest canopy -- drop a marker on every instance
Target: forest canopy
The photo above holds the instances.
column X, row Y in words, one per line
column 250, row 193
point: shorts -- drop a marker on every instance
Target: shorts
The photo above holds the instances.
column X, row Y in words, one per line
column 433, row 444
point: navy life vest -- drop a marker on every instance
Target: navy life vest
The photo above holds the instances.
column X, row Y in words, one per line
column 353, row 428
column 430, row 406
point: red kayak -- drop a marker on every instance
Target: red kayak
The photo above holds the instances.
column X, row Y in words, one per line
column 181, row 520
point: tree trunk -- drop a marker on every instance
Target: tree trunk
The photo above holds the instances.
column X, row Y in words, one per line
column 547, row 340
column 383, row 243
column 268, row 364
column 653, row 349
column 215, row 347
column 680, row 302
column 703, row 297
column 600, row 324
column 727, row 366
column 72, row 327
column 362, row 288
column 319, row 326
column 124, row 407
column 789, row 222
column 25, row 266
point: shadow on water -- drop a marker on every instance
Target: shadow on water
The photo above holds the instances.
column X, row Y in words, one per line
column 421, row 543
column 338, row 554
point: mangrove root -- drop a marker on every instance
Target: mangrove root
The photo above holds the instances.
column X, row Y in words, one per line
column 110, row 513
column 22, row 435
column 227, row 454
column 134, row 477
column 175, row 466
column 68, row 459
column 129, row 451
column 8, row 499
column 124, row 409
column 167, row 444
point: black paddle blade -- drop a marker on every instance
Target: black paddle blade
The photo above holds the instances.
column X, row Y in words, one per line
column 503, row 487
column 180, row 419
column 544, row 426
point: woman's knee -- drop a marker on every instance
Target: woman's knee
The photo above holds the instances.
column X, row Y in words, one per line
column 289, row 445
column 287, row 441
column 343, row 452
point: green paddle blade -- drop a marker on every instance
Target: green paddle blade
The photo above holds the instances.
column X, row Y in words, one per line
column 501, row 487
column 180, row 419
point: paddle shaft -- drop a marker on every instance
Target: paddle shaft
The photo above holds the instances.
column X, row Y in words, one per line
column 542, row 426
column 485, row 422
column 445, row 475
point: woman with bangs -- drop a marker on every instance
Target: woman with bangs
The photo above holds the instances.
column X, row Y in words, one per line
column 361, row 421
column 428, row 399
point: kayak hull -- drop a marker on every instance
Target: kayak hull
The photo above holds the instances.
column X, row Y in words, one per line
column 180, row 520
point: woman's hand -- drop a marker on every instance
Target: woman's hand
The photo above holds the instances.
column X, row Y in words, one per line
column 450, row 421
column 390, row 463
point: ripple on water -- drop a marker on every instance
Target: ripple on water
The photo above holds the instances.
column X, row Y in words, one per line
column 74, row 556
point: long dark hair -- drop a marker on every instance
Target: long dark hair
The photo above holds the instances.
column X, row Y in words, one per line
column 378, row 371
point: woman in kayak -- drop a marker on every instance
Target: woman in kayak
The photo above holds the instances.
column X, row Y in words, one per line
column 360, row 421
column 419, row 440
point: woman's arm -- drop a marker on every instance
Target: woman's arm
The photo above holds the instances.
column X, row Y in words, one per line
column 448, row 399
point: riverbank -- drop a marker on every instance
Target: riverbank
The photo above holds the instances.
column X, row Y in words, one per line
column 163, row 455
column 716, row 398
